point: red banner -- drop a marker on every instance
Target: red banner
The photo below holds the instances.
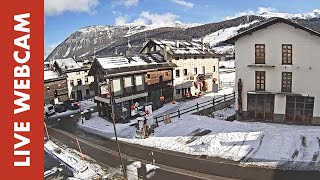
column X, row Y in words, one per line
column 21, row 52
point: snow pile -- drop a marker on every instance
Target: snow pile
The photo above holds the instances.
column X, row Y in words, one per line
column 132, row 170
column 104, row 128
column 79, row 167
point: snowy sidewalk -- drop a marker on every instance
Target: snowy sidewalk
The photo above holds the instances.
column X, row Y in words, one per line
column 250, row 143
column 170, row 108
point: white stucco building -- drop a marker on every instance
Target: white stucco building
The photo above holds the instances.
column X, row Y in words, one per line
column 78, row 80
column 278, row 64
column 197, row 66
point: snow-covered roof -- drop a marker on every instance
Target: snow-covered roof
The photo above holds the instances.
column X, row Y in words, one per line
column 50, row 74
column 67, row 64
column 121, row 61
column 182, row 47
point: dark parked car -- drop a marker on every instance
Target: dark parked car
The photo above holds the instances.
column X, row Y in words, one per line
column 60, row 108
column 72, row 104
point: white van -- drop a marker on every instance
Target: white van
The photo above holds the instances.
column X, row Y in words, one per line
column 49, row 110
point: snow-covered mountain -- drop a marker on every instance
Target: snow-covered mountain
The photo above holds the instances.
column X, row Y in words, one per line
column 314, row 14
column 109, row 40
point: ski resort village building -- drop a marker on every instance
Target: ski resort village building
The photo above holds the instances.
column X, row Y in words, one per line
column 55, row 87
column 78, row 80
column 277, row 64
column 197, row 67
column 132, row 82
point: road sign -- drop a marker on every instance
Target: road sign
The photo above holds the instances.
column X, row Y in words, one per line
column 215, row 88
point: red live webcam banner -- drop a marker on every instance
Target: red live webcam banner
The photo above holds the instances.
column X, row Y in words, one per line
column 21, row 89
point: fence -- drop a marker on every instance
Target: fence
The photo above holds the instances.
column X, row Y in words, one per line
column 198, row 106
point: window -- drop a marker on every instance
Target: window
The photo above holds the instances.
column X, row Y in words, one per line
column 177, row 73
column 195, row 71
column 79, row 81
column 177, row 91
column 260, row 80
column 260, row 54
column 87, row 92
column 48, row 88
column 202, row 57
column 148, row 76
column 299, row 106
column 287, row 54
column 86, row 80
column 117, row 87
column 139, row 80
column 203, row 70
column 185, row 57
column 185, row 72
column 213, row 68
column 286, row 85
column 195, row 57
column 177, row 58
column 128, row 84
column 71, row 83
column 166, row 73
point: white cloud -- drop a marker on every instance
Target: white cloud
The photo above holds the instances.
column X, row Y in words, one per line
column 259, row 11
column 55, row 7
column 127, row 3
column 121, row 20
column 157, row 19
column 184, row 3
column 147, row 18
column 49, row 48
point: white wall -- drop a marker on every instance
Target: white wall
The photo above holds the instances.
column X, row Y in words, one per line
column 198, row 63
column 79, row 75
column 305, row 69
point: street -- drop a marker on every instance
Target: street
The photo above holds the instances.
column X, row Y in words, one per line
column 172, row 165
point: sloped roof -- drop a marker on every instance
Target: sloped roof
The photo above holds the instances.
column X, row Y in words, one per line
column 180, row 47
column 67, row 64
column 269, row 23
column 122, row 64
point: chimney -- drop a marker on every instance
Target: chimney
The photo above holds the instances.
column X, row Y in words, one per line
column 177, row 43
column 166, row 49
column 202, row 45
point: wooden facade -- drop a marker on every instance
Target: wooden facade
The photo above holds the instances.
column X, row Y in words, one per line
column 55, row 89
column 129, row 86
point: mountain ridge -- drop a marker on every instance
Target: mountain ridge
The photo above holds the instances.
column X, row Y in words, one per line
column 108, row 40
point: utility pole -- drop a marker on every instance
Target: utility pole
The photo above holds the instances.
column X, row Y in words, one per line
column 113, row 116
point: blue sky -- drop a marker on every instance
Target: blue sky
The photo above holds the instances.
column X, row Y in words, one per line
column 63, row 17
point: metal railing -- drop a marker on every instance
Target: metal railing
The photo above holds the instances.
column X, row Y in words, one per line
column 198, row 107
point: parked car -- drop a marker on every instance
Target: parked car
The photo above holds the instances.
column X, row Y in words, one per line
column 49, row 110
column 60, row 107
column 72, row 104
